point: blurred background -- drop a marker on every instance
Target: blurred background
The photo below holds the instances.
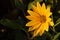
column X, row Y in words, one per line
column 12, row 20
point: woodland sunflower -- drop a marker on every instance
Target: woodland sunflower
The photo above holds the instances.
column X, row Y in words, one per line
column 40, row 19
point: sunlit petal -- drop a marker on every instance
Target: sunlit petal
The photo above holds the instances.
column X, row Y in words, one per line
column 34, row 27
column 31, row 23
column 51, row 23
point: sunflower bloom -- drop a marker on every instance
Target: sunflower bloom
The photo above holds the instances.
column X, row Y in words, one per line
column 39, row 18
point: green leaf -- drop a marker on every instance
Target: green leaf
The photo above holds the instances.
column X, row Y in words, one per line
column 34, row 3
column 21, row 1
column 57, row 23
column 56, row 36
column 20, row 34
column 58, row 20
column 59, row 11
column 29, row 5
column 9, row 23
column 18, row 4
column 38, row 0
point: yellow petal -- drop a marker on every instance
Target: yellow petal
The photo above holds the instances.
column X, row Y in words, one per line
column 39, row 30
column 36, row 32
column 30, row 18
column 34, row 8
column 51, row 23
column 43, row 9
column 34, row 27
column 38, row 5
column 46, row 26
column 39, row 9
column 33, row 18
column 43, row 6
column 48, row 19
column 48, row 13
column 32, row 23
column 48, row 8
column 33, row 13
column 42, row 29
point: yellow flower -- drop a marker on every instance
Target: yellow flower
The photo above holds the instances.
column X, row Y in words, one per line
column 39, row 19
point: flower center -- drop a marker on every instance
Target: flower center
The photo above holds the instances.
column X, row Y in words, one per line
column 42, row 19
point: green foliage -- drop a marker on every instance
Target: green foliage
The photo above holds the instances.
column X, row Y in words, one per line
column 18, row 4
column 34, row 3
column 9, row 23
column 58, row 20
column 56, row 36
column 29, row 5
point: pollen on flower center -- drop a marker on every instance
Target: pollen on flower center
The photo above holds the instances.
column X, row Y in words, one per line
column 42, row 19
